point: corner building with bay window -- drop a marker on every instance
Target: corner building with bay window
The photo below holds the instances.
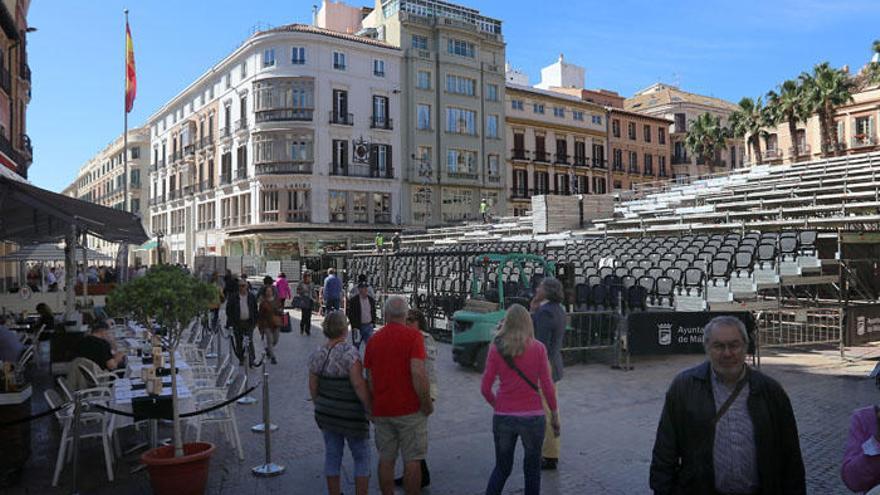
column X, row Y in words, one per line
column 288, row 146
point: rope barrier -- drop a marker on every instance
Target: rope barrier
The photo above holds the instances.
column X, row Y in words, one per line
column 185, row 415
column 34, row 417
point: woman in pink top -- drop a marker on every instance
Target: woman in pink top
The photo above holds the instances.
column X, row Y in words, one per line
column 519, row 363
column 282, row 288
column 861, row 459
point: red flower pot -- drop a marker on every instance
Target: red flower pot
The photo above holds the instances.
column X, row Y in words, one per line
column 186, row 475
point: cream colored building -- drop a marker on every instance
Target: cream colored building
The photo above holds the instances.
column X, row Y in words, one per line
column 452, row 96
column 101, row 181
column 681, row 107
column 856, row 133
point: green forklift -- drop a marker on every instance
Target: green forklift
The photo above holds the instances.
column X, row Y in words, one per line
column 496, row 282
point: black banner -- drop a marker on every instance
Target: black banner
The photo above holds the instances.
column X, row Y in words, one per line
column 653, row 333
column 862, row 324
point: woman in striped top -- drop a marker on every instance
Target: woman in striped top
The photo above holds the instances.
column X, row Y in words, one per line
column 342, row 403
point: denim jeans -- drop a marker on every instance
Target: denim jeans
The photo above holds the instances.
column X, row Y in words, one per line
column 506, row 429
column 333, row 452
column 366, row 331
column 331, row 303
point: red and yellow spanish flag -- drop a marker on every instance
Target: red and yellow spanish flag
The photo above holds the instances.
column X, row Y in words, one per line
column 130, row 76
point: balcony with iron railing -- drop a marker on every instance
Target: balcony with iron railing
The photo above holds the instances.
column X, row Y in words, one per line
column 382, row 217
column 226, row 178
column 599, row 163
column 802, row 150
column 520, row 193
column 206, row 142
column 519, row 154
column 284, row 115
column 542, row 157
column 174, row 194
column 189, row 151
column 581, row 161
column 176, row 156
column 648, row 172
column 240, row 125
column 360, row 170
column 341, row 118
column 680, row 160
column 561, row 159
column 381, row 123
column 863, row 141
column 226, row 133
column 772, row 154
column 284, row 167
column 462, row 175
column 493, row 178
column 298, row 216
column 241, row 173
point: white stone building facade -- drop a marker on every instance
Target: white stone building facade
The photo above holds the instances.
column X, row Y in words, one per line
column 289, row 145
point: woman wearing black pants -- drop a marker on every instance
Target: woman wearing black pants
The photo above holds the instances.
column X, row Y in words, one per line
column 305, row 292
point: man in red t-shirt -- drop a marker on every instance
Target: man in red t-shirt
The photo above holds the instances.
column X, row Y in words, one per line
column 398, row 379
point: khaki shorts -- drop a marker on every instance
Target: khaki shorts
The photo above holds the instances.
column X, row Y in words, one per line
column 405, row 434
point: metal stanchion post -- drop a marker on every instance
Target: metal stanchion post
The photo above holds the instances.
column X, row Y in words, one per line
column 261, row 427
column 214, row 327
column 268, row 468
column 77, row 410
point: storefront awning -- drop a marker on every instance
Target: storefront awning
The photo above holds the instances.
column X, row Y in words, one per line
column 29, row 214
column 51, row 252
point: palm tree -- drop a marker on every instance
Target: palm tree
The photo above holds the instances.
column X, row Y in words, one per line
column 825, row 89
column 749, row 120
column 706, row 137
column 874, row 64
column 787, row 106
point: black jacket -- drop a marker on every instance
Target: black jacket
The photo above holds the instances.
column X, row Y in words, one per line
column 233, row 311
column 549, row 323
column 354, row 311
column 682, row 457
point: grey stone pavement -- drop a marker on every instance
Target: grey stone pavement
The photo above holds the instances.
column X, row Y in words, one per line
column 609, row 418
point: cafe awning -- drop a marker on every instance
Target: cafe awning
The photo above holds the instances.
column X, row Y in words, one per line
column 51, row 252
column 29, row 214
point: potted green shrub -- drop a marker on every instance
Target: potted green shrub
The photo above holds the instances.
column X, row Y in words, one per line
column 169, row 297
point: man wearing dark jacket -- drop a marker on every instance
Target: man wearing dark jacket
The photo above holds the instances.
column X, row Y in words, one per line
column 362, row 313
column 548, row 318
column 726, row 428
column 241, row 315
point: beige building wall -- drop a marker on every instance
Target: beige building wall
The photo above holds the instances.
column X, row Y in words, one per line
column 640, row 158
column 579, row 166
column 339, row 17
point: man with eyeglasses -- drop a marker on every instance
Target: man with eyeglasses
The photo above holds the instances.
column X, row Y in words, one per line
column 726, row 428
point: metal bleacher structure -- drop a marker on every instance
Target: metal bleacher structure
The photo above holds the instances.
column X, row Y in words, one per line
column 765, row 239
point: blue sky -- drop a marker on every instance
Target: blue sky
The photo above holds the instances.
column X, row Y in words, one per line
column 724, row 48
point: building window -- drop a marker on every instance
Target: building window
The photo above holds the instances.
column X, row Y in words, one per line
column 461, row 162
column 661, row 135
column 647, row 132
column 577, row 115
column 461, row 121
column 359, row 207
column 680, row 122
column 269, row 206
column 542, row 183
column 538, row 108
column 492, row 126
column 243, row 70
column 423, row 79
column 380, row 161
column 516, row 104
column 661, row 165
column 633, row 162
column 338, row 60
column 458, row 204
column 382, row 207
column 559, row 112
column 582, row 185
column 460, row 85
column 649, row 164
column 460, row 47
column 338, row 206
column 419, row 42
column 492, row 168
column 597, row 119
column 269, row 57
column 379, row 68
column 615, row 128
column 631, row 130
column 380, row 112
column 298, row 55
column 424, row 117
column 492, row 92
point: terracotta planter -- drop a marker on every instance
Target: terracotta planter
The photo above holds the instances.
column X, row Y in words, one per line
column 187, row 475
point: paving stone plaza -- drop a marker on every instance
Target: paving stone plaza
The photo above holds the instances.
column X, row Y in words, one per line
column 609, row 418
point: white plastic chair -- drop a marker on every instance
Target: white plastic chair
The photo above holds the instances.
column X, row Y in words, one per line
column 93, row 424
column 224, row 416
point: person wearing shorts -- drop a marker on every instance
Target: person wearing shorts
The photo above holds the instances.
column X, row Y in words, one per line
column 400, row 390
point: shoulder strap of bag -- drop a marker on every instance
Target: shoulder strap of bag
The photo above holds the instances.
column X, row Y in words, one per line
column 327, row 359
column 729, row 402
column 509, row 360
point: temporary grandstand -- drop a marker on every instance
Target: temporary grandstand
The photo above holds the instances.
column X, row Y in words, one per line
column 796, row 245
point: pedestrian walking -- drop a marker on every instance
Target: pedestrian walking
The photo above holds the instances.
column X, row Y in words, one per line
column 860, row 470
column 395, row 242
column 518, row 361
column 267, row 282
column 361, row 279
column 380, row 242
column 548, row 318
column 362, row 314
column 416, row 319
column 282, row 289
column 726, row 428
column 484, row 210
column 332, row 293
column 305, row 293
column 241, row 315
column 396, row 374
column 342, row 403
column 271, row 316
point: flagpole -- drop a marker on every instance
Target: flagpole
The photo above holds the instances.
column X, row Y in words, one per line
column 125, row 117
